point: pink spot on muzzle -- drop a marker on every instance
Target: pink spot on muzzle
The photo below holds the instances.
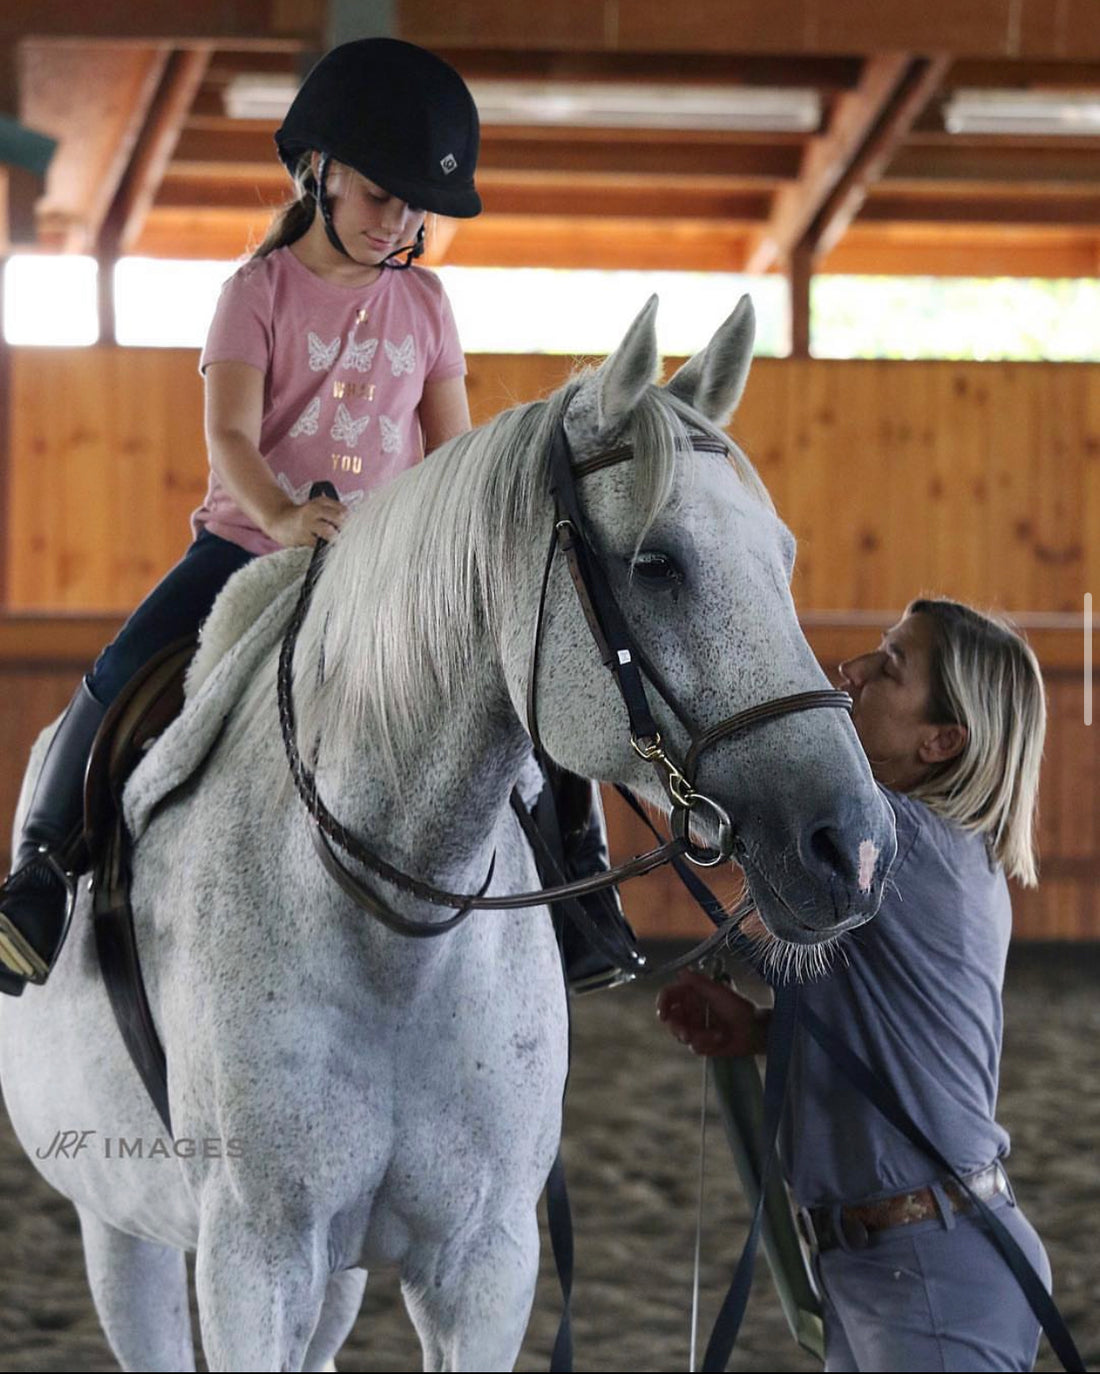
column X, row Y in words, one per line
column 868, row 857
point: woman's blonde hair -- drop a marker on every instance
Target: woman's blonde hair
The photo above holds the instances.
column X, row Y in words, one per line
column 985, row 676
column 293, row 219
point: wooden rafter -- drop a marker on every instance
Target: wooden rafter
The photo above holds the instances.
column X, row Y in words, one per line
column 94, row 99
column 225, row 21
column 182, row 76
column 915, row 89
column 1037, row 30
column 212, row 140
column 827, row 158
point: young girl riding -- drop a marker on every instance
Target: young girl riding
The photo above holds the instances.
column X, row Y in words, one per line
column 330, row 356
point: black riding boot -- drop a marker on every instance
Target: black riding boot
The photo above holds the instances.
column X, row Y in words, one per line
column 588, row 966
column 34, row 899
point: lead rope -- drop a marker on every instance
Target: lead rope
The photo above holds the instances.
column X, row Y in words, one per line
column 699, row 1205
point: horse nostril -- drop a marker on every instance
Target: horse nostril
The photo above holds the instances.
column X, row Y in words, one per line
column 828, row 853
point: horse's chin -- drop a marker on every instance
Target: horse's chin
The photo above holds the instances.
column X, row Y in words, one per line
column 787, row 950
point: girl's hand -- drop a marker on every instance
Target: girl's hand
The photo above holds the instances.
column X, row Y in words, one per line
column 293, row 525
column 711, row 1018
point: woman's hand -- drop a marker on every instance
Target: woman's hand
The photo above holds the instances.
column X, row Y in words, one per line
column 711, row 1018
column 291, row 524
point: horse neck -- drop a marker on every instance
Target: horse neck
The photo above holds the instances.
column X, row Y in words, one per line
column 437, row 818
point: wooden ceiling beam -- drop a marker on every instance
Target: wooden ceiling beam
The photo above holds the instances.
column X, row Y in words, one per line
column 916, row 88
column 603, row 244
column 891, row 207
column 197, row 187
column 990, row 74
column 210, row 141
column 1036, row 145
column 970, row 250
column 940, row 249
column 298, row 21
column 652, row 201
column 153, row 151
column 1032, row 29
column 826, row 159
column 1074, row 166
column 828, row 74
column 94, row 102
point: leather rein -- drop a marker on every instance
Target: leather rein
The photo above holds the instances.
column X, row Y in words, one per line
column 620, row 656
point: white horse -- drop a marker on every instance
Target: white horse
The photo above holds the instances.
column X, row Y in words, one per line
column 355, row 1098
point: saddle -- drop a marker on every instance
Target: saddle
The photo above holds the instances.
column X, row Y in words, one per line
column 147, row 705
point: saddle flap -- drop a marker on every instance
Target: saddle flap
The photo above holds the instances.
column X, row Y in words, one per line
column 148, row 703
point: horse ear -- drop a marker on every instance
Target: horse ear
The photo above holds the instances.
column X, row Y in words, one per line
column 713, row 380
column 628, row 371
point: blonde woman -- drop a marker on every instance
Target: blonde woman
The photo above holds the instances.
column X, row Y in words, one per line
column 951, row 713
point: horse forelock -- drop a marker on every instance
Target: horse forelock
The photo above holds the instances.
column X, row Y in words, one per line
column 412, row 589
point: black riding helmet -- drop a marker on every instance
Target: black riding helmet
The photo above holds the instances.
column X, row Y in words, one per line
column 398, row 115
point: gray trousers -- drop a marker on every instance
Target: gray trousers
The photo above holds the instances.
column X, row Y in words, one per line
column 936, row 1295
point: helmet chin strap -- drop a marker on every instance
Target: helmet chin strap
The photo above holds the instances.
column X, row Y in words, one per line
column 324, row 205
column 411, row 250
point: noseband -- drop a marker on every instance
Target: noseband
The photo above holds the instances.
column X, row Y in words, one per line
column 626, row 662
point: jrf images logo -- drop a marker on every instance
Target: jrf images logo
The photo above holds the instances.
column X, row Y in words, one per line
column 448, row 163
column 70, row 1144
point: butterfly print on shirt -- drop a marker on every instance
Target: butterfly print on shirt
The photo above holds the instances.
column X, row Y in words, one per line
column 309, row 420
column 359, row 356
column 402, row 356
column 347, row 429
column 391, row 435
column 322, row 355
column 300, row 495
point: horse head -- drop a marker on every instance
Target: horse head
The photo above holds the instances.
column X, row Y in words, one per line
column 699, row 564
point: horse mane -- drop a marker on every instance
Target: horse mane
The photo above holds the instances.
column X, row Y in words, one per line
column 416, row 580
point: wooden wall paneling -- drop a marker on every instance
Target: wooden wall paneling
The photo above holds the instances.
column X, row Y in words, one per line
column 1089, row 439
column 1074, row 770
column 110, row 445
column 32, row 698
column 1053, row 798
column 1059, row 516
column 981, row 481
column 964, row 449
column 58, row 495
column 869, row 493
column 160, row 461
column 1013, row 442
column 904, row 435
column 41, row 660
column 759, row 427
column 802, row 509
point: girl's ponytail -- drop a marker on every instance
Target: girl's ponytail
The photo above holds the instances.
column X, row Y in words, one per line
column 295, row 217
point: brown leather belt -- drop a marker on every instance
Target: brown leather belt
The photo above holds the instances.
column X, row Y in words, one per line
column 819, row 1225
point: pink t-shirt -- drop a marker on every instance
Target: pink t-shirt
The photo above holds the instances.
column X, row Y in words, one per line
column 344, row 371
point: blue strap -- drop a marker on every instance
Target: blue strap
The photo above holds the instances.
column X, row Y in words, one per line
column 560, row 1224
column 884, row 1097
column 780, row 1042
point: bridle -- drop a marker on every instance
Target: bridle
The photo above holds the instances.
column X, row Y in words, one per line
column 626, row 662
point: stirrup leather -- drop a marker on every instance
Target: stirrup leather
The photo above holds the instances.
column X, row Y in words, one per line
column 17, row 954
column 605, row 979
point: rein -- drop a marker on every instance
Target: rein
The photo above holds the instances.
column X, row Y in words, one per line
column 624, row 660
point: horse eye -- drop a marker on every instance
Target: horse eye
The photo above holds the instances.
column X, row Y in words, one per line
column 658, row 570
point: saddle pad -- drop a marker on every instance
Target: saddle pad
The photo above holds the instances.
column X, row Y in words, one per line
column 242, row 600
column 215, row 686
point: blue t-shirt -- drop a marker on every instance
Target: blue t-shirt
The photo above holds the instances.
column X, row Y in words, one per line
column 916, row 993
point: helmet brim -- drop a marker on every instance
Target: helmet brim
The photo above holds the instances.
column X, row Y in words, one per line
column 459, row 202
